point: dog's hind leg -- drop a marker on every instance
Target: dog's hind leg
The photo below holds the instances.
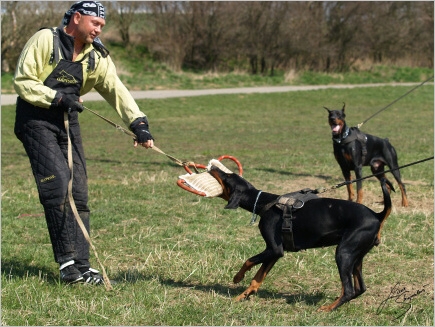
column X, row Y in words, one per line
column 396, row 174
column 345, row 260
column 257, row 280
column 390, row 156
column 358, row 281
column 404, row 197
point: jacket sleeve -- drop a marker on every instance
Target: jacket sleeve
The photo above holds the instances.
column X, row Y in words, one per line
column 115, row 93
column 32, row 69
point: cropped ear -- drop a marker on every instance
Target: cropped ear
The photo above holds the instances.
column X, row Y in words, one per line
column 344, row 105
column 233, row 202
column 327, row 109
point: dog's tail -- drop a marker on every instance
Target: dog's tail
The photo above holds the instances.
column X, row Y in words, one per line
column 382, row 216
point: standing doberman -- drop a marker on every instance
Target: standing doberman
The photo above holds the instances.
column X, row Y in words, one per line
column 354, row 149
column 314, row 222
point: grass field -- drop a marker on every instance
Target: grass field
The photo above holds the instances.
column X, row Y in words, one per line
column 174, row 254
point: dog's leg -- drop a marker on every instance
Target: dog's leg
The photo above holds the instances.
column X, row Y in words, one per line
column 347, row 178
column 257, row 280
column 272, row 251
column 241, row 274
column 332, row 306
column 404, row 197
column 390, row 156
column 358, row 281
column 360, row 288
column 359, row 191
column 377, row 168
column 345, row 260
column 349, row 191
column 396, row 174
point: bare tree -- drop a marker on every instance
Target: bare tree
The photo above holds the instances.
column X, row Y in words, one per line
column 257, row 36
column 123, row 14
column 169, row 37
column 343, row 24
column 211, row 27
column 20, row 20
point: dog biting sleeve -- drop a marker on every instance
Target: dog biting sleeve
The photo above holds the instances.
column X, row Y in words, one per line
column 203, row 182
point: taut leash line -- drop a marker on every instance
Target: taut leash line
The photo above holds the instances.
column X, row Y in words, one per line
column 322, row 189
column 130, row 133
column 360, row 124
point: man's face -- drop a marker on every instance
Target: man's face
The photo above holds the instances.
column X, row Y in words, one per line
column 88, row 27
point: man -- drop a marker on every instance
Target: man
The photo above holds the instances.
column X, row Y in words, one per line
column 55, row 68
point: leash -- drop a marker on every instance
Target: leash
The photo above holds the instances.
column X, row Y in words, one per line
column 126, row 131
column 322, row 189
column 72, row 203
column 413, row 89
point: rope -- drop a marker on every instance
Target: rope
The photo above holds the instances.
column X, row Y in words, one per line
column 322, row 189
column 359, row 125
column 74, row 208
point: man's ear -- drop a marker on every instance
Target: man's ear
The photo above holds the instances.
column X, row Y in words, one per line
column 76, row 17
column 233, row 202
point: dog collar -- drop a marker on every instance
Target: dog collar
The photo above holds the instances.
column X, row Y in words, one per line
column 254, row 216
column 344, row 135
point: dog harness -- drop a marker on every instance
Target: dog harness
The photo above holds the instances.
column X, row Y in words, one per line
column 289, row 203
column 353, row 134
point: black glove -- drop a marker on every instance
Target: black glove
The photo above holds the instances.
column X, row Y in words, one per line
column 70, row 103
column 140, row 128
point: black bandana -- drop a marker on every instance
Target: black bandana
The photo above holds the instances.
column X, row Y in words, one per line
column 88, row 8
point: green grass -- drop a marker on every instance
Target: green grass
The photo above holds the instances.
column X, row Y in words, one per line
column 174, row 254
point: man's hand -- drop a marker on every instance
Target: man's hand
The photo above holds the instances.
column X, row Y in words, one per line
column 71, row 103
column 143, row 136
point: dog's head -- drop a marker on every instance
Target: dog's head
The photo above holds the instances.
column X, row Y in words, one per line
column 336, row 119
column 233, row 185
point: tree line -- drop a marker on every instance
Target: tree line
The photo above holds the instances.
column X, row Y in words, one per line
column 257, row 36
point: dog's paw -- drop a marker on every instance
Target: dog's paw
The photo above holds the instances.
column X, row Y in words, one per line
column 238, row 278
column 325, row 308
column 241, row 297
column 245, row 296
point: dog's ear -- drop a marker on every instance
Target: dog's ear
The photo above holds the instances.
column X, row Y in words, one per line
column 342, row 109
column 233, row 202
column 327, row 109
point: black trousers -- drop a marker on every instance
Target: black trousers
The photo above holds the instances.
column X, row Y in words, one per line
column 43, row 135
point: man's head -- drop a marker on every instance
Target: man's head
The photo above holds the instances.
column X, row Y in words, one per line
column 85, row 20
column 86, row 8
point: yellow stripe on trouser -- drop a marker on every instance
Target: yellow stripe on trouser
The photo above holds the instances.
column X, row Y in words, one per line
column 74, row 209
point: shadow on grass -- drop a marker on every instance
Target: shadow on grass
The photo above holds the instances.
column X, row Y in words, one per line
column 288, row 173
column 13, row 269
column 23, row 270
column 132, row 276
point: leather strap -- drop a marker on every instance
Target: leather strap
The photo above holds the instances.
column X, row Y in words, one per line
column 74, row 208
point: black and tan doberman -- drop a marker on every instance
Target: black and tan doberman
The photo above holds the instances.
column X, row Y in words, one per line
column 354, row 149
column 319, row 222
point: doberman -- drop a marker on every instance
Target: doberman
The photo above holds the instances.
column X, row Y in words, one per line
column 354, row 149
column 319, row 222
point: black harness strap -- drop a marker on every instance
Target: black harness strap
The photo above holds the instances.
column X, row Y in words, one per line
column 55, row 54
column 289, row 203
